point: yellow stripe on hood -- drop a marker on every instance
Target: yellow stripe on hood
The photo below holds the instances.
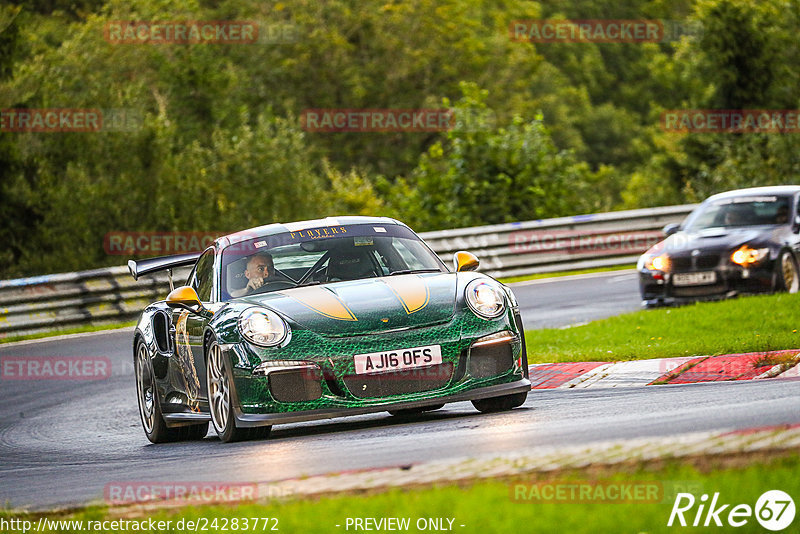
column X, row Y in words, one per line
column 411, row 291
column 322, row 301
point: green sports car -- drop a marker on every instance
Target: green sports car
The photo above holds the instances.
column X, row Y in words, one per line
column 321, row 319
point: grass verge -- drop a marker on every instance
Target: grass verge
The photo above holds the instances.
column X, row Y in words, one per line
column 512, row 279
column 510, row 505
column 746, row 324
column 76, row 330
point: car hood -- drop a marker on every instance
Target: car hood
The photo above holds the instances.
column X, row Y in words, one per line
column 366, row 306
column 714, row 239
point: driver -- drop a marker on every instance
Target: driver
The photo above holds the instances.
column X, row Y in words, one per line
column 259, row 268
column 734, row 217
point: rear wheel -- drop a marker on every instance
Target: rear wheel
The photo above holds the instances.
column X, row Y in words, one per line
column 220, row 400
column 788, row 277
column 500, row 404
column 415, row 411
column 155, row 428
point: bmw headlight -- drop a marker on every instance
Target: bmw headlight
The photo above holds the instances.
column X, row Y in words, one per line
column 746, row 255
column 485, row 299
column 263, row 327
column 655, row 263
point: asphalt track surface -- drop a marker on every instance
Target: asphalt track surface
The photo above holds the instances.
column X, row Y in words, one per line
column 572, row 300
column 61, row 442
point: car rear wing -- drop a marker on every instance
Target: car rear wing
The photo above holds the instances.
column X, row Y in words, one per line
column 163, row 263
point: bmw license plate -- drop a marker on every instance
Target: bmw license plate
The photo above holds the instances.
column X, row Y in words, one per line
column 393, row 360
column 694, row 279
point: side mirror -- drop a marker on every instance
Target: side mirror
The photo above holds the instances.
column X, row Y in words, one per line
column 796, row 224
column 671, row 228
column 185, row 297
column 465, row 261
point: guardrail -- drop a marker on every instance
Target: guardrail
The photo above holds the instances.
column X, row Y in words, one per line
column 57, row 301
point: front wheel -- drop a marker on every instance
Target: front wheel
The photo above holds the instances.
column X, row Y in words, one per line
column 220, row 400
column 155, row 428
column 788, row 278
column 500, row 404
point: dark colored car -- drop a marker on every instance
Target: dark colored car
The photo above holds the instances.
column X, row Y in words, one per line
column 743, row 241
column 320, row 319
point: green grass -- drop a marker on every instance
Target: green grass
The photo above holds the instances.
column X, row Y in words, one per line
column 76, row 330
column 487, row 506
column 538, row 276
column 746, row 324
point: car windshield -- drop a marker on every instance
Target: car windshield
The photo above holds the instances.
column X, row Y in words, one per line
column 740, row 211
column 321, row 255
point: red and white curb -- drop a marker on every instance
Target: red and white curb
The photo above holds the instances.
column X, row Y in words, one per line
column 686, row 370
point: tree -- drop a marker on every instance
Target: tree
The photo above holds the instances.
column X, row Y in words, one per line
column 485, row 176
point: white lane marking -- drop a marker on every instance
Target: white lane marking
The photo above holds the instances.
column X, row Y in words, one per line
column 627, row 273
column 622, row 278
column 65, row 336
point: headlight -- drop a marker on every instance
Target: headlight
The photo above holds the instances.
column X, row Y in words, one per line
column 485, row 299
column 746, row 255
column 657, row 263
column 263, row 327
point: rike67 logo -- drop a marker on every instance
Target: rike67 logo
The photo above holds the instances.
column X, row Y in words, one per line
column 774, row 510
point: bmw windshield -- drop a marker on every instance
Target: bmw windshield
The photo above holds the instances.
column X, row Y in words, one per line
column 739, row 212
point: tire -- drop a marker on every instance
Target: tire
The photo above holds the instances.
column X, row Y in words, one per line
column 415, row 411
column 500, row 404
column 220, row 400
column 788, row 275
column 153, row 424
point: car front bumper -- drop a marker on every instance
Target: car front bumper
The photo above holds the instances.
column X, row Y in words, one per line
column 325, row 384
column 260, row 419
column 658, row 289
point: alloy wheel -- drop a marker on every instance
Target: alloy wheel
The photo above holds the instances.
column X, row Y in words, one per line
column 144, row 389
column 791, row 280
column 218, row 389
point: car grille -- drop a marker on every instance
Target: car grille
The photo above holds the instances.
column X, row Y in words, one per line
column 680, row 264
column 399, row 382
column 490, row 360
column 699, row 291
column 295, row 385
column 686, row 263
column 707, row 262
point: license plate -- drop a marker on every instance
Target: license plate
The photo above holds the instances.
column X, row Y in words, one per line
column 393, row 360
column 694, row 279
